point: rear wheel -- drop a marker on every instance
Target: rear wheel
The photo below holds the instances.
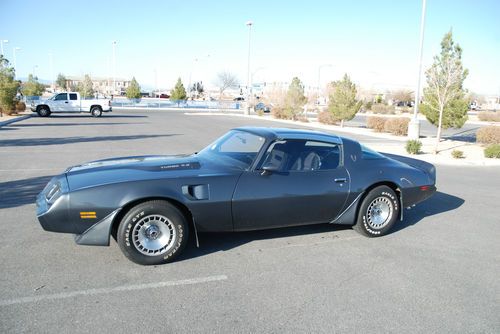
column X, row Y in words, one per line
column 43, row 111
column 96, row 111
column 378, row 212
column 152, row 232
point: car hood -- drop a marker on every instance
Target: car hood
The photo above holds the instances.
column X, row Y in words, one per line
column 137, row 168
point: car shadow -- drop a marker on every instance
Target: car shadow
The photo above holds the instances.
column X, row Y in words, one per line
column 440, row 202
column 21, row 192
column 216, row 242
column 72, row 140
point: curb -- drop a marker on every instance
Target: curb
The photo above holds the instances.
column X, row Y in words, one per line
column 13, row 120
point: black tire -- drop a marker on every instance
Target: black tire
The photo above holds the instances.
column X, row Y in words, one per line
column 96, row 111
column 43, row 111
column 153, row 232
column 378, row 212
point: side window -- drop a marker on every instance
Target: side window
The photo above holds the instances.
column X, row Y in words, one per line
column 61, row 97
column 301, row 155
column 72, row 96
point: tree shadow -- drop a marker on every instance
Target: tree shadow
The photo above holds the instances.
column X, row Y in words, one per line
column 72, row 140
column 468, row 136
column 216, row 242
column 21, row 192
column 438, row 203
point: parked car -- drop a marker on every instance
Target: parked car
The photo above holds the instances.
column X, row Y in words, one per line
column 249, row 179
column 262, row 106
column 70, row 102
column 239, row 98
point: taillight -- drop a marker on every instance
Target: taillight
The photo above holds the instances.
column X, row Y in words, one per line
column 424, row 188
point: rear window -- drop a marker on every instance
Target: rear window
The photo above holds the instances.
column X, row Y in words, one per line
column 369, row 154
column 72, row 96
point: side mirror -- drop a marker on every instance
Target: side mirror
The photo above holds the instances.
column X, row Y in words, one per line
column 268, row 170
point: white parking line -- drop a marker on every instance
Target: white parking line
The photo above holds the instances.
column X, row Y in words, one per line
column 91, row 292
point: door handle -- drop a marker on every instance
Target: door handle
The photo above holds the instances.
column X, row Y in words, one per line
column 66, row 102
column 340, row 180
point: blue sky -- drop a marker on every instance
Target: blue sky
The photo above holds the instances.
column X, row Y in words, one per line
column 375, row 42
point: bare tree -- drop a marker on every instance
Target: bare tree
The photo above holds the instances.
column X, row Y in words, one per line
column 403, row 95
column 444, row 102
column 225, row 80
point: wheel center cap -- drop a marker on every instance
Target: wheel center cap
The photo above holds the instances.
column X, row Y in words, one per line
column 152, row 232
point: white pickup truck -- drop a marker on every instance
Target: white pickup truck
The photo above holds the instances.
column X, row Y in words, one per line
column 72, row 103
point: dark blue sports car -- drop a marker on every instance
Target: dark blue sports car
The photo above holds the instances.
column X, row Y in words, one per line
column 251, row 178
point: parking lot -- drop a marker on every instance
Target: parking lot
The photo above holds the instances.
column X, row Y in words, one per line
column 437, row 272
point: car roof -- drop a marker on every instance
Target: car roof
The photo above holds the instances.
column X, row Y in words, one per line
column 286, row 133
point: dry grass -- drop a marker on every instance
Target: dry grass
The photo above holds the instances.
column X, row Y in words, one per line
column 326, row 117
column 397, row 126
column 380, row 108
column 488, row 135
column 487, row 116
column 376, row 123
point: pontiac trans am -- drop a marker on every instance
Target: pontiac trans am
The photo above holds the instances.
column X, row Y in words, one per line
column 251, row 178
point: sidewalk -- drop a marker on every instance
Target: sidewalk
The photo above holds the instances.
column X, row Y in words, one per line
column 6, row 120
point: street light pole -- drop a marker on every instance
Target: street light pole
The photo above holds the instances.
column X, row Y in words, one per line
column 1, row 44
column 14, row 59
column 414, row 125
column 319, row 76
column 247, row 109
column 114, row 67
column 51, row 65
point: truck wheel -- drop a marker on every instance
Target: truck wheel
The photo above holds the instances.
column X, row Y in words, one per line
column 96, row 111
column 43, row 111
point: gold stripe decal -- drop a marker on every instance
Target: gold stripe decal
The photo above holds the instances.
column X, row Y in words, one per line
column 88, row 214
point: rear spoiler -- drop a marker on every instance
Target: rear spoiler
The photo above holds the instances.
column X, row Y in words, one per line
column 426, row 167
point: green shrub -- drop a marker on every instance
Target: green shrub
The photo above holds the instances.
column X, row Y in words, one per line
column 380, row 108
column 492, row 151
column 376, row 123
column 260, row 112
column 488, row 135
column 326, row 117
column 489, row 116
column 413, row 146
column 368, row 105
column 457, row 154
column 397, row 126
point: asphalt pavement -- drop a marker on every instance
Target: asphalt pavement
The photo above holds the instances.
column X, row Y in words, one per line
column 438, row 272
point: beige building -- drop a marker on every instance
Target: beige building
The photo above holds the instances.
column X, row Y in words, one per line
column 101, row 85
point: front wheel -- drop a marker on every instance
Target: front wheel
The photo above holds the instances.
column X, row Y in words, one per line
column 153, row 232
column 378, row 212
column 43, row 111
column 96, row 111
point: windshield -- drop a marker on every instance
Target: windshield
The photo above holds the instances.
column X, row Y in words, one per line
column 235, row 148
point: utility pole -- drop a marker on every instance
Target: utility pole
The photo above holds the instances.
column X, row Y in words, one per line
column 414, row 125
column 249, row 81
column 114, row 67
column 1, row 44
column 15, row 60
